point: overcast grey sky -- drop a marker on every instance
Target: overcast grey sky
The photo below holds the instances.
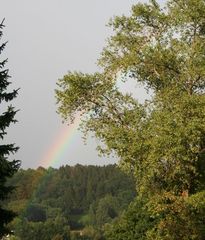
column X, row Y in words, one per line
column 47, row 38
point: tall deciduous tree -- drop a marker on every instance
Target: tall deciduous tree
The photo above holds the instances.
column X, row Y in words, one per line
column 163, row 140
column 7, row 168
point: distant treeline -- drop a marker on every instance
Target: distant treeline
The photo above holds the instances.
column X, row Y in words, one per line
column 69, row 202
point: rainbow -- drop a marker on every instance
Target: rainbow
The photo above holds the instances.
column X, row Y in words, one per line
column 60, row 144
column 54, row 154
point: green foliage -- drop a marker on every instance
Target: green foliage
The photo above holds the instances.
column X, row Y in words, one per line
column 50, row 202
column 35, row 213
column 7, row 168
column 48, row 230
column 162, row 140
column 57, row 237
column 104, row 210
column 132, row 224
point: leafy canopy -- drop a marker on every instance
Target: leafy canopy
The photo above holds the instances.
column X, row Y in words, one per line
column 162, row 140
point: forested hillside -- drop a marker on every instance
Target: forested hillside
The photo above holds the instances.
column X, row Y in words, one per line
column 69, row 202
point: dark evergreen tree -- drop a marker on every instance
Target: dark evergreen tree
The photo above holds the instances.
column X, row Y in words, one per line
column 7, row 168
